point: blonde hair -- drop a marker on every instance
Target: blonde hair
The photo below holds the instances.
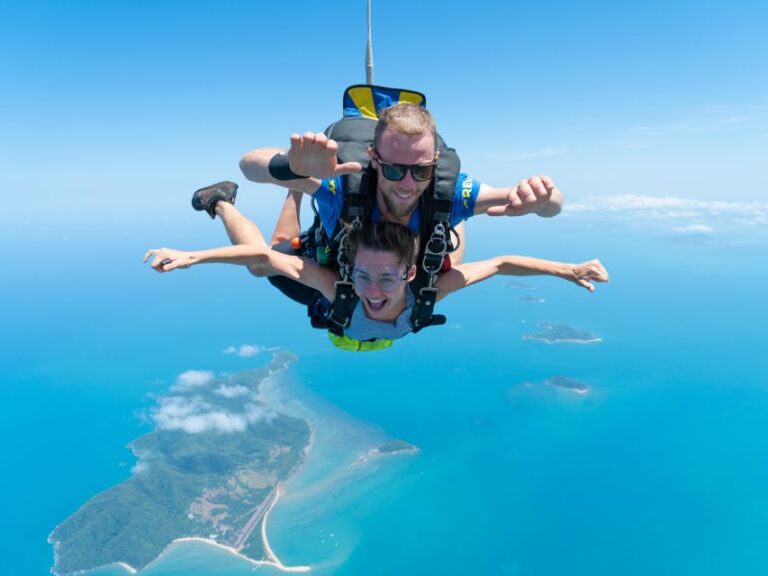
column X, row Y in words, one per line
column 405, row 118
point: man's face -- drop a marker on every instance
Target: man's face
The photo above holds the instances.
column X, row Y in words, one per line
column 380, row 280
column 398, row 200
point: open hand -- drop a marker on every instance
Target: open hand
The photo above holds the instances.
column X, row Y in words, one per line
column 314, row 155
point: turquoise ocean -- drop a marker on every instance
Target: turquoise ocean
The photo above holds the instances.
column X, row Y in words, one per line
column 661, row 468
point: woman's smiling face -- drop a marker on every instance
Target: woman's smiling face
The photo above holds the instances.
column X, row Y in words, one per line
column 380, row 280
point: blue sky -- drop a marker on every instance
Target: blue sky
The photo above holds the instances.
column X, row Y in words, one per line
column 113, row 112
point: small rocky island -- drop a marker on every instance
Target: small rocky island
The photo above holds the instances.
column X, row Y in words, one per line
column 389, row 449
column 566, row 383
column 557, row 333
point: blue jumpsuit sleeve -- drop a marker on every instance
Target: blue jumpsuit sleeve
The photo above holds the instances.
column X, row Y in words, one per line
column 330, row 201
column 464, row 198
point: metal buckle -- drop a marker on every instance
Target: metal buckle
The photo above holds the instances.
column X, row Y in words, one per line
column 435, row 250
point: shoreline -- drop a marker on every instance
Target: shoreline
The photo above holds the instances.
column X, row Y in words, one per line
column 284, row 360
column 272, row 560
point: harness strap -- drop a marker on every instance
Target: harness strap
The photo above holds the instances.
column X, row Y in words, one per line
column 355, row 134
column 340, row 313
column 436, row 238
column 423, row 308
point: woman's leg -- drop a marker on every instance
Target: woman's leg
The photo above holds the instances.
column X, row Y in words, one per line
column 240, row 229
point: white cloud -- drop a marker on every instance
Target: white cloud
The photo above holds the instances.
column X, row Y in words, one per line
column 247, row 350
column 193, row 379
column 672, row 208
column 232, row 391
column 195, row 415
column 695, row 229
column 140, row 467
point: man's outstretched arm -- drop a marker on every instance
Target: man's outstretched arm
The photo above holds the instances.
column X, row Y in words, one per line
column 536, row 195
column 255, row 166
column 311, row 157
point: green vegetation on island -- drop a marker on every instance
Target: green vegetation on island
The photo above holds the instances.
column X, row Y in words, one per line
column 555, row 333
column 210, row 470
column 567, row 384
column 395, row 446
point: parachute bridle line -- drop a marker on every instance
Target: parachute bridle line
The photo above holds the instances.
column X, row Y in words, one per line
column 369, row 52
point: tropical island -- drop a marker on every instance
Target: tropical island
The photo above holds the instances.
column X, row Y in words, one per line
column 556, row 333
column 528, row 299
column 395, row 447
column 566, row 383
column 211, row 469
column 389, row 449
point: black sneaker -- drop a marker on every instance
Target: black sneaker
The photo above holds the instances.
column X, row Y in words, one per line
column 206, row 198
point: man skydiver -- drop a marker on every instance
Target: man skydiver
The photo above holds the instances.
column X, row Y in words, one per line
column 404, row 156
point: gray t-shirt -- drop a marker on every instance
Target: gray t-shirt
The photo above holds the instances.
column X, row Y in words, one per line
column 363, row 328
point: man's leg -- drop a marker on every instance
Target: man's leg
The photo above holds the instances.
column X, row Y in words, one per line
column 288, row 223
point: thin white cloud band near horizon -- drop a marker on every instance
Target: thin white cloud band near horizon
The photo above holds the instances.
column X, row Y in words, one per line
column 673, row 208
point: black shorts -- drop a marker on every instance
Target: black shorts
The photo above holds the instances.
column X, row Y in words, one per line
column 295, row 290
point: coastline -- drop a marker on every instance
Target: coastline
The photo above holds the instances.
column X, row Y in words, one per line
column 280, row 363
column 327, row 426
column 273, row 561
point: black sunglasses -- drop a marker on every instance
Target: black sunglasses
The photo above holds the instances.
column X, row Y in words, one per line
column 396, row 172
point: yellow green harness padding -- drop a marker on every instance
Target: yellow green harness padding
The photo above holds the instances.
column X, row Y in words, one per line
column 347, row 343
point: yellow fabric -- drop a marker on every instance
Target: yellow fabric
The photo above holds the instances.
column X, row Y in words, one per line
column 362, row 96
column 347, row 343
column 410, row 97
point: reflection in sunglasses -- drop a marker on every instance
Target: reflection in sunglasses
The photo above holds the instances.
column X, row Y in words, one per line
column 396, row 172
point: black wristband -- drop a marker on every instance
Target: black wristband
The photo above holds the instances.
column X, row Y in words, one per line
column 279, row 168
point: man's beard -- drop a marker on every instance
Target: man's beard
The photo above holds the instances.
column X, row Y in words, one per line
column 397, row 207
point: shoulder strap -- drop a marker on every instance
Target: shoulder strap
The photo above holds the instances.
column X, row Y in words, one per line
column 436, row 237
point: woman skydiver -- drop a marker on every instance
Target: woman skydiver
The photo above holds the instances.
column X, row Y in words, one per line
column 383, row 258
